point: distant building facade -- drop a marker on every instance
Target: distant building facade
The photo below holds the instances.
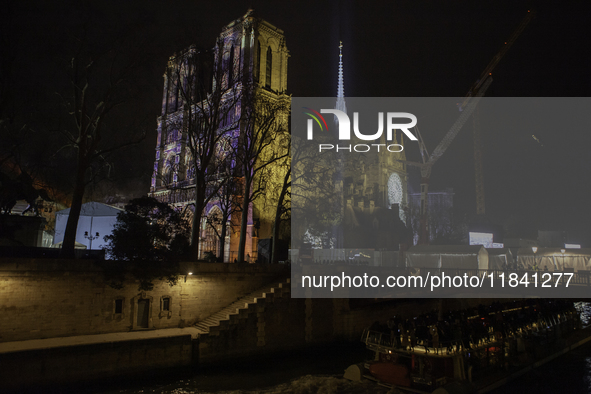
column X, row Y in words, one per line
column 440, row 213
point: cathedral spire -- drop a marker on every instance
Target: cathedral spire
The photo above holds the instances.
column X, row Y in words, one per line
column 341, row 106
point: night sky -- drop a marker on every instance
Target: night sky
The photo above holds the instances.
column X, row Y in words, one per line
column 391, row 48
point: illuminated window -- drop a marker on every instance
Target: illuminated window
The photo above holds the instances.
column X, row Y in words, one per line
column 394, row 189
column 395, row 193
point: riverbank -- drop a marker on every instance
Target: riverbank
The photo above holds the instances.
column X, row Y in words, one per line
column 45, row 363
column 310, row 369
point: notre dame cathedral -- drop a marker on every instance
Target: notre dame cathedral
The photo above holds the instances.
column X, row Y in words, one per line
column 250, row 53
column 251, row 49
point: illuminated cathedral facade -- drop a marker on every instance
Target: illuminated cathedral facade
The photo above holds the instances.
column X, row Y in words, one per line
column 251, row 54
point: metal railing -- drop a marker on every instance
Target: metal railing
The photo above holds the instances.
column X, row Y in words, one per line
column 581, row 277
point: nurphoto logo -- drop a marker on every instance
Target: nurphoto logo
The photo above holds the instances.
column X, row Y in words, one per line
column 344, row 133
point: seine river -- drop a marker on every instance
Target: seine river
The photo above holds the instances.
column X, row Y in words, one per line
column 321, row 372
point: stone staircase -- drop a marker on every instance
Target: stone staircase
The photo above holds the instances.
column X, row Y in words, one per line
column 203, row 327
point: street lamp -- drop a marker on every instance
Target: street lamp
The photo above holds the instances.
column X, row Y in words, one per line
column 91, row 237
column 188, row 273
column 88, row 234
column 562, row 251
column 534, row 249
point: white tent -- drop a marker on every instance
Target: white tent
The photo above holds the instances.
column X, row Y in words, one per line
column 447, row 256
column 552, row 259
column 95, row 218
column 499, row 258
column 77, row 245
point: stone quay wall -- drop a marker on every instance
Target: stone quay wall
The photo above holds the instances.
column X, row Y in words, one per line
column 62, row 366
column 69, row 300
column 44, row 298
column 273, row 324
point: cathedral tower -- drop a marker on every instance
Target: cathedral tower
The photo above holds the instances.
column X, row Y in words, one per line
column 249, row 57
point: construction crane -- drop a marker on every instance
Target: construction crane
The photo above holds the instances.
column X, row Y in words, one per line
column 429, row 160
column 466, row 108
column 478, row 173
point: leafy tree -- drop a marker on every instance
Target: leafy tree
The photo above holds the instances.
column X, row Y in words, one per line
column 151, row 237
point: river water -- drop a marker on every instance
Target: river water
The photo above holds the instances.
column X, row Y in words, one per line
column 321, row 372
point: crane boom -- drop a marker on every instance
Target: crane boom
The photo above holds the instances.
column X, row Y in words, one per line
column 457, row 126
column 438, row 152
column 497, row 58
column 468, row 105
column 478, row 172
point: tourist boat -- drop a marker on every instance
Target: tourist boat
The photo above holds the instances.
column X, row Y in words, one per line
column 494, row 344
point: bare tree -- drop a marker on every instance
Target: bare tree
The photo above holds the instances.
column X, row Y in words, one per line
column 101, row 79
column 226, row 204
column 315, row 195
column 209, row 121
column 227, row 117
column 261, row 145
column 283, row 205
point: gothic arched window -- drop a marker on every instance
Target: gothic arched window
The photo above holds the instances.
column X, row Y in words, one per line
column 190, row 172
column 211, row 226
column 168, row 175
column 231, row 68
column 172, row 136
column 257, row 68
column 396, row 193
column 269, row 68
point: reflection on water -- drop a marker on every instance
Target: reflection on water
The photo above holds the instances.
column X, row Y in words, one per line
column 584, row 309
column 318, row 371
column 570, row 373
column 304, row 385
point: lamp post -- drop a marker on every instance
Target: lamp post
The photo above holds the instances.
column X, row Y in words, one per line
column 91, row 237
column 88, row 234
column 562, row 251
column 534, row 249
